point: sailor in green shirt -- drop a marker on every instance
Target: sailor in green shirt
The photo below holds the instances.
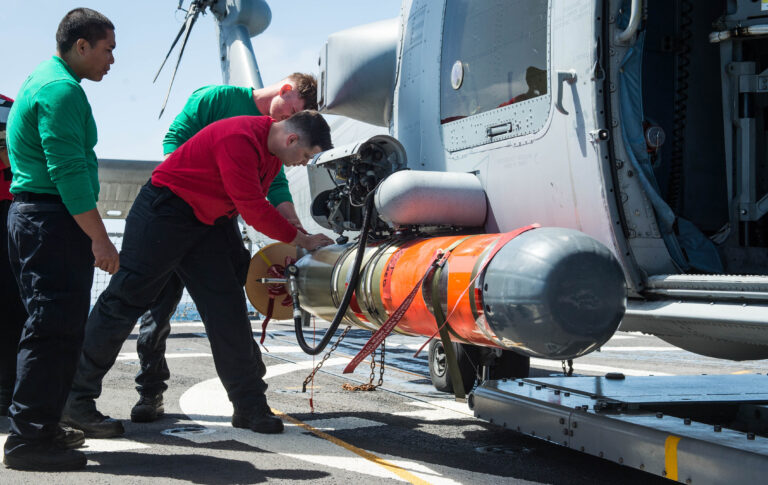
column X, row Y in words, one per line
column 55, row 236
column 206, row 105
column 213, row 103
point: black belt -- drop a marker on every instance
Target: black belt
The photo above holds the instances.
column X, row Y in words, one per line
column 35, row 197
column 166, row 196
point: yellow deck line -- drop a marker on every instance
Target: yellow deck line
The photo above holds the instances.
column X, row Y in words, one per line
column 400, row 472
column 670, row 456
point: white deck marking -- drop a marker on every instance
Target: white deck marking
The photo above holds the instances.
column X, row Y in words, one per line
column 338, row 424
column 134, row 356
column 280, row 369
column 437, row 411
column 283, row 349
column 640, row 349
column 630, row 336
column 551, row 364
column 122, row 444
column 206, row 403
column 100, row 446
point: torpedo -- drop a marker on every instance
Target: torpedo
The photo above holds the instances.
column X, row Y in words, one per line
column 545, row 292
column 422, row 260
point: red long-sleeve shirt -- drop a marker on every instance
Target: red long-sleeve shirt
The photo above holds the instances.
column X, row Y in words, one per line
column 5, row 183
column 226, row 169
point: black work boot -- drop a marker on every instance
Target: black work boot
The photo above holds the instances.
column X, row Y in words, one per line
column 67, row 438
column 148, row 409
column 45, row 456
column 258, row 418
column 92, row 422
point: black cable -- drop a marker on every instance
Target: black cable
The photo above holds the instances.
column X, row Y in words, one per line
column 342, row 310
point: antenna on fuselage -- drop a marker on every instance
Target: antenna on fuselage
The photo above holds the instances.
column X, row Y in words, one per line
column 195, row 9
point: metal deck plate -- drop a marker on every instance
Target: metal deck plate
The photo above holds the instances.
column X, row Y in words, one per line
column 665, row 389
column 569, row 411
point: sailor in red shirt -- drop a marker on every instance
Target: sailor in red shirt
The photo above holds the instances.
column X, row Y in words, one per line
column 14, row 313
column 180, row 222
column 215, row 174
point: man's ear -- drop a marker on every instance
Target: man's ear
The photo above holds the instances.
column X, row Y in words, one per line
column 80, row 45
column 285, row 88
column 292, row 139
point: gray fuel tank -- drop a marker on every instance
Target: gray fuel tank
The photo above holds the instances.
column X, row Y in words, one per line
column 414, row 197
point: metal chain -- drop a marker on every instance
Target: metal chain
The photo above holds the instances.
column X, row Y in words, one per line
column 381, row 366
column 373, row 368
column 311, row 376
column 569, row 371
column 370, row 386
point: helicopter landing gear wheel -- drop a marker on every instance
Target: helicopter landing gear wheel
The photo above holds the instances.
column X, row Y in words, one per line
column 466, row 355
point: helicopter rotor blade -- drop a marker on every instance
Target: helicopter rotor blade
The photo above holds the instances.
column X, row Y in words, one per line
column 193, row 8
column 181, row 31
column 192, row 15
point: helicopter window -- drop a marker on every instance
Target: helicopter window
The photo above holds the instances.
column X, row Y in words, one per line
column 494, row 56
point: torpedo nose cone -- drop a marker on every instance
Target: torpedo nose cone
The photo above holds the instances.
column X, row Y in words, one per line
column 554, row 293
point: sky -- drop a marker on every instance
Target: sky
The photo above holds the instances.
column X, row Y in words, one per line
column 126, row 103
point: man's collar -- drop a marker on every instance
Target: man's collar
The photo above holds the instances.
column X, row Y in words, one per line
column 67, row 67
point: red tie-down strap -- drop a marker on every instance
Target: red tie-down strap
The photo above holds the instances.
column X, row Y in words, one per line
column 396, row 316
column 504, row 239
column 274, row 290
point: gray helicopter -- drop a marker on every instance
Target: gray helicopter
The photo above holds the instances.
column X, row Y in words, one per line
column 634, row 130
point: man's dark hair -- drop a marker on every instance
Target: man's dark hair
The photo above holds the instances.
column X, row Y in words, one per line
column 312, row 129
column 306, row 85
column 81, row 23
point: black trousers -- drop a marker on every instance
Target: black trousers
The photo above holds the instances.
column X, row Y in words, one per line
column 163, row 237
column 154, row 328
column 13, row 311
column 52, row 260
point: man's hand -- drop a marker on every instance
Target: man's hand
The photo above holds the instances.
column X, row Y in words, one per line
column 105, row 255
column 104, row 252
column 4, row 161
column 310, row 242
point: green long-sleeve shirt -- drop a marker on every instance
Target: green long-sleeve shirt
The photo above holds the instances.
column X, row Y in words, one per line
column 214, row 103
column 51, row 134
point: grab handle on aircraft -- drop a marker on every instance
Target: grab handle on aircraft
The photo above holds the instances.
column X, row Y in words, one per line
column 634, row 22
column 563, row 77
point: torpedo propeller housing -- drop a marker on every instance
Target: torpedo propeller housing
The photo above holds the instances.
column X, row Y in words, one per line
column 546, row 292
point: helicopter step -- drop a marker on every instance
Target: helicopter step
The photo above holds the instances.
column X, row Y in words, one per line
column 733, row 330
column 744, row 288
column 681, row 310
column 694, row 429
